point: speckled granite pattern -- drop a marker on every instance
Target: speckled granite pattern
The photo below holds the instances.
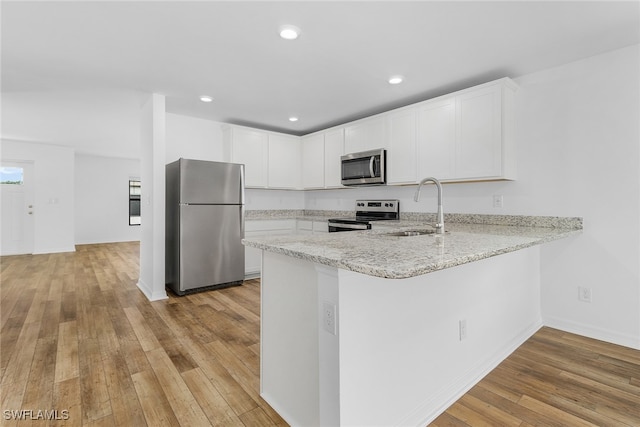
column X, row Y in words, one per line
column 376, row 253
column 449, row 218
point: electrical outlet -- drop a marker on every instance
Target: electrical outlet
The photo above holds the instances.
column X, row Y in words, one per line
column 462, row 329
column 329, row 317
column 584, row 294
column 498, row 201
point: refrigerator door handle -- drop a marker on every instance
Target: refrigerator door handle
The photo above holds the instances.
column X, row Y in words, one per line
column 242, row 185
column 242, row 221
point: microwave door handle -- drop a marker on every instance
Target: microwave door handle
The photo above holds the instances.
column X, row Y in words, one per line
column 371, row 166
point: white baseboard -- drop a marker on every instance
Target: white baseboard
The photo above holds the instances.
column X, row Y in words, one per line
column 55, row 250
column 432, row 408
column 150, row 294
column 626, row 340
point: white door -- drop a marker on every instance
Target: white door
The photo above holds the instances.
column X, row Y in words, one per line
column 16, row 189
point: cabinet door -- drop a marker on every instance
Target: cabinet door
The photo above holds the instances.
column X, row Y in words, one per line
column 479, row 139
column 333, row 149
column 436, row 139
column 250, row 147
column 365, row 135
column 313, row 161
column 284, row 161
column 401, row 145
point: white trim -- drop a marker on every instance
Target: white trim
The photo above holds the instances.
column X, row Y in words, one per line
column 590, row 331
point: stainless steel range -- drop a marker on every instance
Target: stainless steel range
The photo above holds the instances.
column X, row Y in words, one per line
column 367, row 211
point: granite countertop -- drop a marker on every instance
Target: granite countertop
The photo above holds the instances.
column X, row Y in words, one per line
column 375, row 253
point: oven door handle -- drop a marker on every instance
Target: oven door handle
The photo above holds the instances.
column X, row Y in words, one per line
column 352, row 226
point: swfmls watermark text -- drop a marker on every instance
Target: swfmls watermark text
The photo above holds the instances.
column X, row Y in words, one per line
column 35, row 414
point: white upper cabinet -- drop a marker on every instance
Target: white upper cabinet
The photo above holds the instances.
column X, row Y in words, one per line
column 333, row 150
column 401, row 147
column 479, row 133
column 249, row 147
column 271, row 160
column 468, row 135
column 366, row 134
column 285, row 159
column 463, row 136
column 313, row 161
column 436, row 139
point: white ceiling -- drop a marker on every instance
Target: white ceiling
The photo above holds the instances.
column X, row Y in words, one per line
column 76, row 73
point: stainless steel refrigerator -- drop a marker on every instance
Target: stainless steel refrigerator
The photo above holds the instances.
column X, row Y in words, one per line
column 204, row 225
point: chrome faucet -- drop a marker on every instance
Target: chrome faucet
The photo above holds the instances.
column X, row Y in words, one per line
column 439, row 216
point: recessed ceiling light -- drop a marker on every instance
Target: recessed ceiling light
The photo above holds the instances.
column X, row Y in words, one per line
column 289, row 32
column 394, row 80
column 293, row 119
column 205, row 98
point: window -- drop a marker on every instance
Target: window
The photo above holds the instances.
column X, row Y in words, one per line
column 11, row 175
column 134, row 202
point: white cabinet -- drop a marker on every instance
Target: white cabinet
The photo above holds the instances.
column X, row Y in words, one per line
column 366, row 134
column 468, row 135
column 436, row 139
column 401, row 147
column 253, row 228
column 307, row 226
column 333, row 150
column 479, row 133
column 284, row 164
column 313, row 161
column 249, row 147
column 271, row 160
column 321, row 167
column 320, row 226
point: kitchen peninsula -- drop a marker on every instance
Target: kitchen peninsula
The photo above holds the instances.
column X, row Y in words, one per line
column 375, row 328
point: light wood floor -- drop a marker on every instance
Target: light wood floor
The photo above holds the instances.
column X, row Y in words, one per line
column 78, row 336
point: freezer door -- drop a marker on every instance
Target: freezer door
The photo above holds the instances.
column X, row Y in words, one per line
column 211, row 182
column 211, row 252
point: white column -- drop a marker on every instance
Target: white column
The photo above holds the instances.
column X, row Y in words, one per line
column 152, row 168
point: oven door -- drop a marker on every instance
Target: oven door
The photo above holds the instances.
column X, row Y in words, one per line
column 365, row 168
column 336, row 226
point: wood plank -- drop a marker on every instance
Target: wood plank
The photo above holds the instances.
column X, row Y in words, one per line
column 145, row 335
column 67, row 362
column 155, row 405
column 95, row 396
column 123, row 398
column 67, row 397
column 184, row 404
column 211, row 401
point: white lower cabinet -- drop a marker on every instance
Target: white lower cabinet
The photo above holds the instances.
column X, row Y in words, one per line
column 275, row 227
column 254, row 228
column 307, row 226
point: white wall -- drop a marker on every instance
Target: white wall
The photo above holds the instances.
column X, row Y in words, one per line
column 193, row 138
column 102, row 199
column 578, row 155
column 54, row 193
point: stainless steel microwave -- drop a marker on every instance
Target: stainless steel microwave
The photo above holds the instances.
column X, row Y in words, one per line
column 364, row 168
